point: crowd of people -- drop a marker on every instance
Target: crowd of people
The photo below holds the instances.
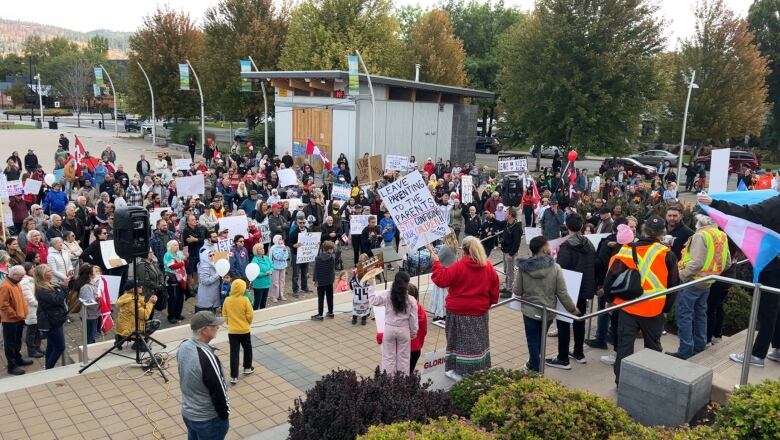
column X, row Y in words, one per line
column 52, row 256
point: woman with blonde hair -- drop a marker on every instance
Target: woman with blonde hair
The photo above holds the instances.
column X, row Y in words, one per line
column 473, row 288
column 447, row 252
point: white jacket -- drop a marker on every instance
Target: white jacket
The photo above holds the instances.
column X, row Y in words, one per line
column 28, row 290
column 60, row 265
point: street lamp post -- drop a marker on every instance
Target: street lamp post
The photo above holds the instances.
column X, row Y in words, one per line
column 116, row 120
column 40, row 96
column 373, row 103
column 202, row 108
column 32, row 114
column 691, row 85
column 151, row 93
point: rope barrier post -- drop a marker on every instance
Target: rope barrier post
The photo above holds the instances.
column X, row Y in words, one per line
column 743, row 378
column 543, row 342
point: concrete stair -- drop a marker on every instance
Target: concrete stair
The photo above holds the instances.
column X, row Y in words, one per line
column 726, row 372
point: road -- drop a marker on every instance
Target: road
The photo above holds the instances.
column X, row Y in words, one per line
column 491, row 160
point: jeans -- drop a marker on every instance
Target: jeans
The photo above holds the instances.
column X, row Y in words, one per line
column 33, row 339
column 55, row 346
column 528, row 212
column 92, row 330
column 244, row 341
column 718, row 293
column 261, row 296
column 214, row 429
column 302, row 269
column 12, row 343
column 509, row 270
column 324, row 292
column 564, row 333
column 768, row 311
column 533, row 336
column 691, row 316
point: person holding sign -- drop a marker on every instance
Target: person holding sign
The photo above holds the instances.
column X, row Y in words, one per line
column 473, row 288
column 401, row 324
column 303, row 269
column 324, row 276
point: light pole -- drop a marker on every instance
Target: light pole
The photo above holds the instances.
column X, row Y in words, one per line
column 691, row 85
column 32, row 114
column 265, row 105
column 40, row 97
column 202, row 109
column 151, row 93
column 116, row 120
column 373, row 104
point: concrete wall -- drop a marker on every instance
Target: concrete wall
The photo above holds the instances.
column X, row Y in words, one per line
column 464, row 134
column 283, row 130
column 344, row 134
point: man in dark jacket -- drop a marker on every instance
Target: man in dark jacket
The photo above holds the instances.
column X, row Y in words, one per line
column 765, row 214
column 302, row 268
column 578, row 255
column 64, row 142
column 30, row 161
column 552, row 221
column 277, row 223
column 675, row 227
column 510, row 244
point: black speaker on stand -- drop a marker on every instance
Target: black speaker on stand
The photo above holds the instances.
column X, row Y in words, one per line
column 131, row 240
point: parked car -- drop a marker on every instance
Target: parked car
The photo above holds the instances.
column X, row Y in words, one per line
column 242, row 134
column 120, row 114
column 736, row 160
column 132, row 125
column 488, row 145
column 547, row 150
column 146, row 126
column 629, row 164
column 654, row 157
column 168, row 123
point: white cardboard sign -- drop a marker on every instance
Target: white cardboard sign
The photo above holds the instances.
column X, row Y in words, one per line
column 396, row 163
column 181, row 164
column 190, row 185
column 32, row 186
column 357, row 223
column 310, row 245
column 414, row 210
column 287, row 177
column 237, row 224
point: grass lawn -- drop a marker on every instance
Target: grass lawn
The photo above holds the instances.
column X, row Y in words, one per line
column 17, row 127
column 226, row 124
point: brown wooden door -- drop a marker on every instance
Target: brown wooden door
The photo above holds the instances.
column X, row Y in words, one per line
column 317, row 124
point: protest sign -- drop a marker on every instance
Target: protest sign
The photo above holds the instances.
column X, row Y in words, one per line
column 155, row 215
column 223, row 245
column 265, row 231
column 181, row 164
column 512, row 163
column 3, row 187
column 415, row 212
column 293, row 204
column 466, row 189
column 310, row 246
column 396, row 163
column 531, row 233
column 341, row 192
column 110, row 258
column 573, row 280
column 434, row 362
column 287, row 177
column 32, row 186
column 357, row 223
column 371, row 267
column 719, row 170
column 369, row 169
column 555, row 245
column 190, row 185
column 237, row 224
column 379, row 318
column 113, row 282
column 15, row 187
column 596, row 239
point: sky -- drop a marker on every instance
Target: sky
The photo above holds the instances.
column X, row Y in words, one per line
column 87, row 15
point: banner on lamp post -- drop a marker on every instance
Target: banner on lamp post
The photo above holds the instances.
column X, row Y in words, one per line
column 99, row 77
column 354, row 81
column 184, row 76
column 246, row 84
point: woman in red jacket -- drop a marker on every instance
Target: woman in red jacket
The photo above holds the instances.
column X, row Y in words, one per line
column 422, row 329
column 473, row 288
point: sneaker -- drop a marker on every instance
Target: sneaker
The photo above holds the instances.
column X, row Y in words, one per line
column 553, row 333
column 317, row 318
column 580, row 359
column 283, row 298
column 453, row 375
column 36, row 354
column 16, row 371
column 526, row 366
column 306, row 291
column 505, row 294
column 249, row 370
column 363, row 321
column 557, row 363
column 774, row 355
column 329, row 315
column 233, row 380
column 354, row 319
column 608, row 359
column 595, row 343
column 273, row 300
column 740, row 357
column 675, row 354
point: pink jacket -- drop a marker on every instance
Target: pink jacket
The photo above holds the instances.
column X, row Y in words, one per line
column 398, row 320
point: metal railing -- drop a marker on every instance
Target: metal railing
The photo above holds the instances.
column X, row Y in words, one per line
column 757, row 289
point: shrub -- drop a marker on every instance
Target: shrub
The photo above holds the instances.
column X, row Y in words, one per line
column 342, row 405
column 539, row 408
column 753, row 411
column 439, row 429
column 736, row 311
column 465, row 393
column 257, row 136
column 46, row 112
column 181, row 132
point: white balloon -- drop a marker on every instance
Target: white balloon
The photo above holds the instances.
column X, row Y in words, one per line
column 222, row 266
column 252, row 271
column 49, row 179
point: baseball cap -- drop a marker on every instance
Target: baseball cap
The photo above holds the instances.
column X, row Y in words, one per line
column 655, row 223
column 204, row 318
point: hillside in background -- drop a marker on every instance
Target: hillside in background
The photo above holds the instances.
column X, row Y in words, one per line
column 14, row 32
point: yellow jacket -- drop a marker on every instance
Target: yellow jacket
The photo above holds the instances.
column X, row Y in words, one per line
column 237, row 310
column 125, row 322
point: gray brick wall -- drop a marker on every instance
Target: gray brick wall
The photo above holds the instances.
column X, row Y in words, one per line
column 464, row 133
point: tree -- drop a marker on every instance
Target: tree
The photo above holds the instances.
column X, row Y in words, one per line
column 18, row 93
column 97, row 47
column 233, row 30
column 407, row 17
column 731, row 74
column 165, row 39
column 75, row 83
column 323, row 32
column 579, row 73
column 11, row 64
column 440, row 54
column 764, row 22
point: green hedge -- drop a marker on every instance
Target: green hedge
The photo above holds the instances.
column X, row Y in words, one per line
column 439, row 429
column 181, row 132
column 46, row 112
column 736, row 311
column 465, row 393
column 753, row 411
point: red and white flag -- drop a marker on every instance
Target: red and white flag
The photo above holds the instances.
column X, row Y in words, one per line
column 104, row 301
column 316, row 152
column 79, row 152
column 310, row 147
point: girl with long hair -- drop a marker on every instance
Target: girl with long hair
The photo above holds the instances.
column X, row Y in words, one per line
column 448, row 254
column 86, row 285
column 401, row 324
column 52, row 313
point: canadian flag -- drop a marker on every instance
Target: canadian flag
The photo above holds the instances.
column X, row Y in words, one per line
column 78, row 154
column 535, row 194
column 104, row 301
column 316, row 152
column 310, row 147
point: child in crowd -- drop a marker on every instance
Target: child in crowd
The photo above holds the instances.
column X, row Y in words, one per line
column 422, row 330
column 360, row 292
column 401, row 324
column 342, row 284
column 324, row 276
column 125, row 322
column 225, row 288
column 238, row 315
column 279, row 257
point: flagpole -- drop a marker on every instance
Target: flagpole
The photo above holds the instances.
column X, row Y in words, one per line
column 202, row 110
column 373, row 103
column 116, row 121
column 265, row 106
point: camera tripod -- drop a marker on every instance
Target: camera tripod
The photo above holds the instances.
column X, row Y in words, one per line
column 141, row 346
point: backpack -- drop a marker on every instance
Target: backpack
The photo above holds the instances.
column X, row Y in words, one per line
column 628, row 283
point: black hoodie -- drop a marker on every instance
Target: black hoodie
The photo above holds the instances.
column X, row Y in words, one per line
column 577, row 254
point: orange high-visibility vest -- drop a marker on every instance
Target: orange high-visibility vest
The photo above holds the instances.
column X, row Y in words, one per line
column 654, row 276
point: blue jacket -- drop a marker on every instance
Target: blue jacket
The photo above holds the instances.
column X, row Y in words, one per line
column 390, row 225
column 239, row 258
column 279, row 256
column 262, row 281
column 248, row 206
column 55, row 201
column 100, row 174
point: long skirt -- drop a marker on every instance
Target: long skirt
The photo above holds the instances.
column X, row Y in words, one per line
column 436, row 303
column 468, row 343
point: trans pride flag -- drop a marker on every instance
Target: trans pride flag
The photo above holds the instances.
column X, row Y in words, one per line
column 759, row 244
